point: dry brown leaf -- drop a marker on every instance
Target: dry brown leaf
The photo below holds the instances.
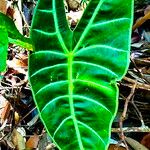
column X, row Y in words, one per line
column 135, row 144
column 32, row 142
column 147, row 9
column 115, row 147
column 73, row 4
column 3, row 8
column 18, row 140
column 3, row 102
column 146, row 141
column 6, row 111
column 17, row 118
column 50, row 146
column 22, row 61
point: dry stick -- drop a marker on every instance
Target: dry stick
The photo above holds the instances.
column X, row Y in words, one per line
column 18, row 123
column 123, row 116
column 139, row 115
column 141, row 75
column 22, row 15
column 15, row 87
column 141, row 21
column 13, row 127
column 131, row 129
column 138, row 86
column 5, row 83
column 138, row 112
column 27, row 114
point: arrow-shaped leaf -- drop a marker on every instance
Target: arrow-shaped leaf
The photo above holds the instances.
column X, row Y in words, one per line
column 73, row 74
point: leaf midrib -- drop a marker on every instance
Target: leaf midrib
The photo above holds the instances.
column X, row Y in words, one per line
column 70, row 90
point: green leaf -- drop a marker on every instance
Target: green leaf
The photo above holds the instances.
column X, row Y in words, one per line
column 14, row 36
column 3, row 49
column 10, row 34
column 73, row 74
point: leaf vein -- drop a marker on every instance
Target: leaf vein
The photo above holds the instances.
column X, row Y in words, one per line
column 99, row 66
column 91, row 83
column 93, row 101
column 47, row 68
column 88, row 25
column 63, row 121
column 49, row 52
column 100, row 46
column 45, row 11
column 88, row 127
column 108, row 22
column 44, row 32
column 57, row 29
column 52, row 101
column 50, row 84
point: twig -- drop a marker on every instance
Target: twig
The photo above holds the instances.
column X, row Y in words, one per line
column 138, row 86
column 127, row 101
column 3, row 137
column 141, row 75
column 22, row 15
column 14, row 87
column 27, row 114
column 131, row 129
column 123, row 116
column 138, row 113
column 141, row 21
column 15, row 126
column 5, row 83
column 136, row 109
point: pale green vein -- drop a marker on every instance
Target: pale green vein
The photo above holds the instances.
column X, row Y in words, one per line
column 86, row 30
column 50, row 52
column 69, row 145
column 62, row 43
column 60, row 125
column 100, row 46
column 53, row 101
column 44, row 32
column 93, row 101
column 57, row 83
column 98, row 67
column 93, row 131
column 45, row 11
column 116, row 21
column 95, row 85
column 45, row 69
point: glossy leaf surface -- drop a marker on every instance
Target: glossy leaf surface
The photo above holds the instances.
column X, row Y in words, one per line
column 3, row 49
column 10, row 34
column 73, row 74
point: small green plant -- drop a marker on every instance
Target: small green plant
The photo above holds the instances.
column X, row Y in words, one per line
column 73, row 74
column 10, row 34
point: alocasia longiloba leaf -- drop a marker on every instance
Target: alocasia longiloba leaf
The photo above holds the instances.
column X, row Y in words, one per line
column 73, row 74
column 10, row 34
